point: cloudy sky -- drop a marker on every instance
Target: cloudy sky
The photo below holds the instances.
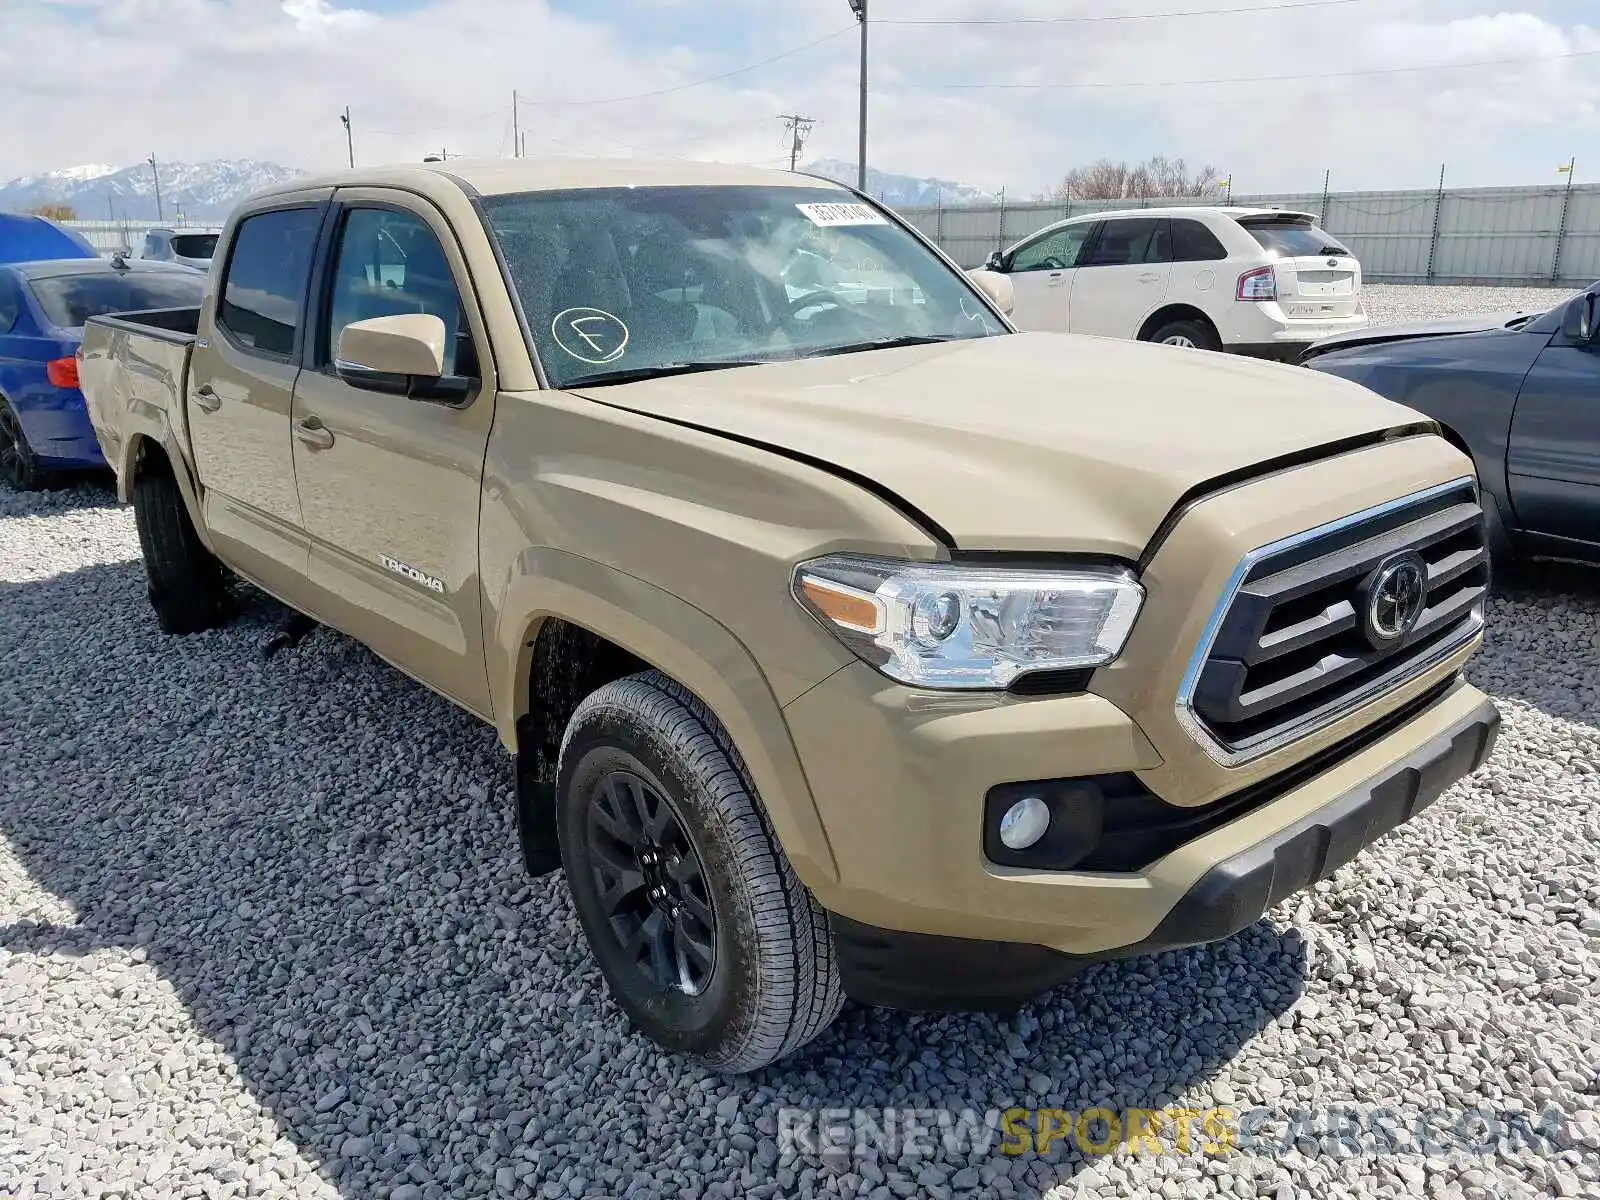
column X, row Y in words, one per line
column 1510, row 93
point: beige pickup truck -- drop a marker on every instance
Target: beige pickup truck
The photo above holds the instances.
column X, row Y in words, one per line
column 848, row 641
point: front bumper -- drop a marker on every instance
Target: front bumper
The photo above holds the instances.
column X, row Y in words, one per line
column 923, row 971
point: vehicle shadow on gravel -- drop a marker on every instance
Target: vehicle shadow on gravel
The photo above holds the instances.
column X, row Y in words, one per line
column 318, row 854
column 1541, row 603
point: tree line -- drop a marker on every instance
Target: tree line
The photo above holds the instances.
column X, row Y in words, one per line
column 1156, row 177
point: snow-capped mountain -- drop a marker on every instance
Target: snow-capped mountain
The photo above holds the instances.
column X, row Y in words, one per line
column 898, row 190
column 198, row 191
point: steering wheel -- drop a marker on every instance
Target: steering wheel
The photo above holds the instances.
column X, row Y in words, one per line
column 816, row 299
column 1052, row 263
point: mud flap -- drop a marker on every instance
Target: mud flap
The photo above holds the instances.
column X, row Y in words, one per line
column 536, row 818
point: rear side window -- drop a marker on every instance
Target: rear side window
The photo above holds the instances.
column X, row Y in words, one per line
column 1193, row 242
column 69, row 301
column 1293, row 239
column 10, row 304
column 1134, row 240
column 194, row 245
column 263, row 294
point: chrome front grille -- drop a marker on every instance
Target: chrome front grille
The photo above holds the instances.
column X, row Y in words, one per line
column 1299, row 638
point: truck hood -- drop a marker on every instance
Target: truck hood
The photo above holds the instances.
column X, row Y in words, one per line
column 1449, row 327
column 1038, row 442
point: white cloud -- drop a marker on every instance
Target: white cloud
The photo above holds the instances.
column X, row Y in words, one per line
column 114, row 80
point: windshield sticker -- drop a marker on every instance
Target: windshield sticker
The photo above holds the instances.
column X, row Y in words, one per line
column 591, row 335
column 833, row 216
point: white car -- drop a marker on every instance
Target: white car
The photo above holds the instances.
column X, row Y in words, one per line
column 1263, row 282
column 186, row 247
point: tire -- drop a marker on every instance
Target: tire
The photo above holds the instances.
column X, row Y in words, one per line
column 745, row 971
column 19, row 466
column 1195, row 335
column 186, row 583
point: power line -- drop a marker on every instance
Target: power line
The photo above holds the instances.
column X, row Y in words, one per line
column 1160, row 16
column 1169, row 83
column 683, row 87
column 799, row 129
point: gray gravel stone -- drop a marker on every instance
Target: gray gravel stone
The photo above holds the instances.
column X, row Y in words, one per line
column 264, row 921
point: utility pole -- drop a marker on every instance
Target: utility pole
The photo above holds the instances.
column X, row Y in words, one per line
column 1438, row 211
column 155, row 173
column 799, row 128
column 1571, row 172
column 349, row 136
column 859, row 7
column 516, row 128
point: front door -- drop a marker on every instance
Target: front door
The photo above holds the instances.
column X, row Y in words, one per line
column 241, row 385
column 389, row 485
column 1123, row 278
column 1041, row 271
column 1553, row 461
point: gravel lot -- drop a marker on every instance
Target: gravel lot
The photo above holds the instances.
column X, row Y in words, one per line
column 263, row 932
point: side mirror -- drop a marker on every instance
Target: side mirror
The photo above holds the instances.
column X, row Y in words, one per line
column 995, row 286
column 1578, row 322
column 995, row 262
column 411, row 345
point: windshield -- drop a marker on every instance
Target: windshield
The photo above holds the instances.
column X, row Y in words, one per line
column 70, row 300
column 194, row 245
column 1294, row 239
column 625, row 283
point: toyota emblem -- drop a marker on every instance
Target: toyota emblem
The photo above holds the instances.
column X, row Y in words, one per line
column 1395, row 599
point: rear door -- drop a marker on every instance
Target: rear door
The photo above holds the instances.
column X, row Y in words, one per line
column 1041, row 271
column 389, row 484
column 1318, row 278
column 1553, row 460
column 1123, row 278
column 241, row 383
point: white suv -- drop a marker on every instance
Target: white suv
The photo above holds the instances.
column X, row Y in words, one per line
column 1264, row 282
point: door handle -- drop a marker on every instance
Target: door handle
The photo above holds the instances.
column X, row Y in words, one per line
column 207, row 399
column 1152, row 277
column 1057, row 279
column 313, row 433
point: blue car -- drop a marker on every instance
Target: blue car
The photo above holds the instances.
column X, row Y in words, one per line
column 44, row 426
column 25, row 238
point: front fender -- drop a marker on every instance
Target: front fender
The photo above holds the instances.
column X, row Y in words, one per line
column 681, row 641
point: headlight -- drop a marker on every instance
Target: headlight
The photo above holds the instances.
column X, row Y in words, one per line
column 953, row 625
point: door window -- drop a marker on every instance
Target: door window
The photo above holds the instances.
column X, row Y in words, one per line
column 1132, row 241
column 263, row 294
column 1193, row 242
column 1055, row 251
column 390, row 263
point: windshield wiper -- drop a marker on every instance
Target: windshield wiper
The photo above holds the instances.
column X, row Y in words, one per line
column 885, row 343
column 660, row 371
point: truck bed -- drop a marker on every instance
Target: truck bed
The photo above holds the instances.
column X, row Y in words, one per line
column 134, row 370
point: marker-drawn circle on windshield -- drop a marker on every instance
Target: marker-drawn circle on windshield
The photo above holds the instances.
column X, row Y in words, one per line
column 591, row 335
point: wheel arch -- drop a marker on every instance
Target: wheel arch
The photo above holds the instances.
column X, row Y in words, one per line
column 567, row 625
column 1176, row 312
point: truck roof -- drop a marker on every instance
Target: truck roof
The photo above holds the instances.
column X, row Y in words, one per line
column 497, row 176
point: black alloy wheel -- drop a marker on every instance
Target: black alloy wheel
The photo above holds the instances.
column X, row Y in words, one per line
column 651, row 884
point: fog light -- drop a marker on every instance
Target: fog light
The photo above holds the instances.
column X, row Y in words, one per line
column 1025, row 823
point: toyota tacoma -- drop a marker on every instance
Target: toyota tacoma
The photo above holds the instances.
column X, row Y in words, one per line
column 848, row 641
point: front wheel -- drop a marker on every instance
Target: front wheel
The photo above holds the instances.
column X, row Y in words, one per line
column 1190, row 334
column 707, row 939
